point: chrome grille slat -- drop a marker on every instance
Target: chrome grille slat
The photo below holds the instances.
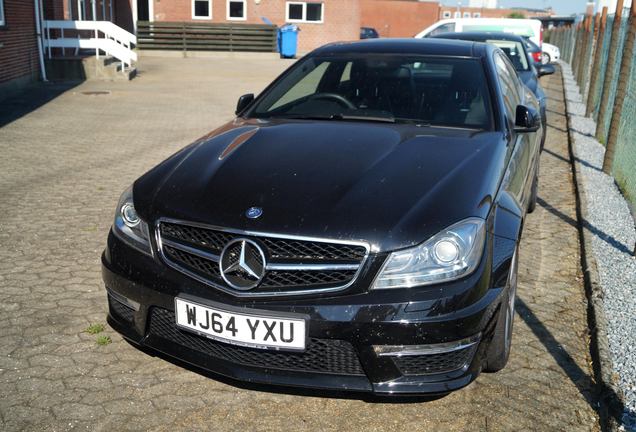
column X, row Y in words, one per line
column 295, row 265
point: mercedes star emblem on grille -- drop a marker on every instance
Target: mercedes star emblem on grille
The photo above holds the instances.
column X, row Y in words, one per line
column 242, row 264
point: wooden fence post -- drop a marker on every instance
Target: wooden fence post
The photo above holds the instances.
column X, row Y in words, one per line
column 596, row 65
column 583, row 54
column 610, row 72
column 575, row 34
column 621, row 91
column 575, row 50
column 589, row 55
column 572, row 43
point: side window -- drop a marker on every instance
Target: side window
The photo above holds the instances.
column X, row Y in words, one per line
column 509, row 85
column 346, row 73
column 515, row 77
column 444, row 28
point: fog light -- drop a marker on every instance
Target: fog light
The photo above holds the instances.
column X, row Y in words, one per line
column 123, row 300
column 446, row 251
column 428, row 349
column 129, row 214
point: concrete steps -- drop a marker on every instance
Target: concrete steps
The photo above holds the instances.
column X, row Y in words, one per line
column 88, row 67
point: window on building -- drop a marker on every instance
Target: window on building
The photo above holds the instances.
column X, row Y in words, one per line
column 446, row 14
column 477, row 15
column 305, row 12
column 201, row 9
column 466, row 14
column 236, row 9
column 2, row 20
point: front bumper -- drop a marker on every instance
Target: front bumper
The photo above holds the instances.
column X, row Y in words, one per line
column 342, row 329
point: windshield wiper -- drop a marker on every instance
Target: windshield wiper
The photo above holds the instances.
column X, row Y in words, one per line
column 339, row 116
column 381, row 119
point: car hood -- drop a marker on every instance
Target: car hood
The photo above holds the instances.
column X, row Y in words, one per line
column 391, row 185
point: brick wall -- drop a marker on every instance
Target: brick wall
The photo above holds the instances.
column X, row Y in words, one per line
column 398, row 18
column 18, row 45
column 341, row 18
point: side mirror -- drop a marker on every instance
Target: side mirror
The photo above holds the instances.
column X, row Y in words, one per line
column 546, row 69
column 526, row 119
column 244, row 102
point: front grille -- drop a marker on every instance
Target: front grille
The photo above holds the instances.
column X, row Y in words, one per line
column 321, row 355
column 435, row 363
column 204, row 238
column 276, row 279
column 195, row 263
column 316, row 264
column 313, row 251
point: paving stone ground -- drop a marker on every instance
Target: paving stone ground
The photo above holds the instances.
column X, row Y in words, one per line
column 62, row 168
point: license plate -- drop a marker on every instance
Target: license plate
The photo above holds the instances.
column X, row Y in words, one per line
column 251, row 330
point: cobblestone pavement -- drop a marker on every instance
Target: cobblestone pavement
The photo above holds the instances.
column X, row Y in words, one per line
column 63, row 166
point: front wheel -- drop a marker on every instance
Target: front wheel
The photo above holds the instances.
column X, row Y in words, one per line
column 499, row 349
column 545, row 58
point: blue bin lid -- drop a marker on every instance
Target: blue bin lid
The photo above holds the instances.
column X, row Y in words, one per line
column 289, row 28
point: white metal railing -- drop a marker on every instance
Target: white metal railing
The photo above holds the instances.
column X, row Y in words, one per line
column 105, row 36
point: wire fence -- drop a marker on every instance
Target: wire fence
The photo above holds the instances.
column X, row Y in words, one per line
column 601, row 51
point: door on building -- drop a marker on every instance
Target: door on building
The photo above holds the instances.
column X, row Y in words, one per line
column 143, row 10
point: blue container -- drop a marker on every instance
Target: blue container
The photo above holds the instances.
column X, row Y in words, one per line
column 288, row 40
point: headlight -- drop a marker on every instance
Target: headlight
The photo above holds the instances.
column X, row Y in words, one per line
column 128, row 226
column 449, row 255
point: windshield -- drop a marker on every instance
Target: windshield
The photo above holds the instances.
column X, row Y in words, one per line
column 532, row 47
column 514, row 51
column 434, row 91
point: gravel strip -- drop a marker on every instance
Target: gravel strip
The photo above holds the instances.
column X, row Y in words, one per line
column 613, row 236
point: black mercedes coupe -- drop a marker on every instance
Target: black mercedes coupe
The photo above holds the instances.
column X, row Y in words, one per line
column 355, row 227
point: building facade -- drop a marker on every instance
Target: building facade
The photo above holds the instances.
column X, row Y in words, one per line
column 320, row 22
column 398, row 18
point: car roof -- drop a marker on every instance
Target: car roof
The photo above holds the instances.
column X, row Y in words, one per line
column 473, row 20
column 479, row 36
column 426, row 46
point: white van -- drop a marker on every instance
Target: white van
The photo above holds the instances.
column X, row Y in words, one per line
column 531, row 28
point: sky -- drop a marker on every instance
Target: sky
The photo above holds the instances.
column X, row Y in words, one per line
column 561, row 7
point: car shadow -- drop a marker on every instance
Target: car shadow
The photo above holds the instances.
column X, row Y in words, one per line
column 610, row 240
column 581, row 161
column 31, row 98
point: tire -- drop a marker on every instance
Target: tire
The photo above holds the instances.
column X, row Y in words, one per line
column 534, row 191
column 545, row 58
column 498, row 351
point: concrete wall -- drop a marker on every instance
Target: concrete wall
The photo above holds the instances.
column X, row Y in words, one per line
column 341, row 18
column 398, row 18
column 18, row 47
